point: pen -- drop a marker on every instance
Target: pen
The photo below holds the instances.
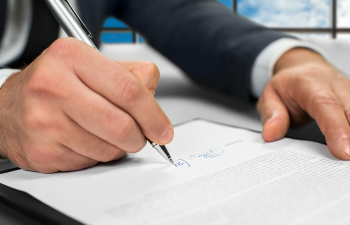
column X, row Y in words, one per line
column 75, row 27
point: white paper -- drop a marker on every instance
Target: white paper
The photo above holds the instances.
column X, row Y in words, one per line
column 222, row 175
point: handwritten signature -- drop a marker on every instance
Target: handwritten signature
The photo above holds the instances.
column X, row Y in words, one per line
column 206, row 155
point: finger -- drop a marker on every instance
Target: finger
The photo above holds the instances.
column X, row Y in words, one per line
column 102, row 119
column 147, row 72
column 87, row 144
column 52, row 158
column 117, row 84
column 326, row 108
column 74, row 161
column 274, row 115
column 341, row 87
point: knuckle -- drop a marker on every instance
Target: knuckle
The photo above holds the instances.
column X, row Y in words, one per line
column 63, row 48
column 109, row 153
column 124, row 132
column 320, row 100
column 139, row 148
column 42, row 83
column 41, row 155
column 130, row 90
column 38, row 82
column 35, row 121
column 309, row 71
column 323, row 99
column 308, row 79
column 152, row 70
column 314, row 70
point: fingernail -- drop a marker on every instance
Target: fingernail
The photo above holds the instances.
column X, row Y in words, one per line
column 267, row 120
column 166, row 137
column 152, row 92
column 346, row 146
column 270, row 118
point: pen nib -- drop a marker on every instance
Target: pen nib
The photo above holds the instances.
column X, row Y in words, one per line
column 171, row 160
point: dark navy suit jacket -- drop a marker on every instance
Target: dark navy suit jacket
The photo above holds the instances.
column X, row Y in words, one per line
column 211, row 44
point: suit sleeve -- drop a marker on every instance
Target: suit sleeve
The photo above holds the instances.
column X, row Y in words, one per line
column 211, row 44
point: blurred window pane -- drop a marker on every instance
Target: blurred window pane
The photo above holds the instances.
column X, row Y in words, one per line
column 343, row 8
column 117, row 37
column 228, row 3
column 114, row 23
column 286, row 13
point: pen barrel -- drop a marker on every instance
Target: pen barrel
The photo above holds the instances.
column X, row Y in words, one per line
column 68, row 21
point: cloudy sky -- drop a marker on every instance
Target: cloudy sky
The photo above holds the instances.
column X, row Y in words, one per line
column 295, row 13
column 344, row 13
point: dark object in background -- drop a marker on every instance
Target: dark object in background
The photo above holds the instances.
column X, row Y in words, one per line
column 22, row 208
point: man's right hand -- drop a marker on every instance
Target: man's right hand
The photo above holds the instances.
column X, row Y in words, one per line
column 73, row 107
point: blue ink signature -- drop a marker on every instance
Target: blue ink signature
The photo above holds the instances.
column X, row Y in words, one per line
column 206, row 155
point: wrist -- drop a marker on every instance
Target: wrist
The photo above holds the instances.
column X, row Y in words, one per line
column 297, row 57
column 5, row 104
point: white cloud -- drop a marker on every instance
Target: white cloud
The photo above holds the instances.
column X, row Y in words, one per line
column 344, row 13
column 287, row 13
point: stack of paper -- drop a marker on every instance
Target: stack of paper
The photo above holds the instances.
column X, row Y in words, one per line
column 222, row 175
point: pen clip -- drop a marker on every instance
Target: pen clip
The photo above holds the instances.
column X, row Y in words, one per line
column 78, row 18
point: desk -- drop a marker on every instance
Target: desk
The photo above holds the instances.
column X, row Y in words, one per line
column 183, row 100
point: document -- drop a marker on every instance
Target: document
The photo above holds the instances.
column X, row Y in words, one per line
column 222, row 175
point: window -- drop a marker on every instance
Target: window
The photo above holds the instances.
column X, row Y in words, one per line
column 304, row 18
column 115, row 31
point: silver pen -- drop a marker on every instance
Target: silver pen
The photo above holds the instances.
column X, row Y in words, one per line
column 75, row 27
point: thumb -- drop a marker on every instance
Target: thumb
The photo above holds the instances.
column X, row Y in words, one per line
column 274, row 115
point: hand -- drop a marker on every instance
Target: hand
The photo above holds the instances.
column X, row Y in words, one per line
column 306, row 87
column 73, row 107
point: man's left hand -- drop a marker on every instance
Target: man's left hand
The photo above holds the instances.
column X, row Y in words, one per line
column 305, row 87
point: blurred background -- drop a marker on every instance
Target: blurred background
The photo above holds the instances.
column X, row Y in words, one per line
column 324, row 19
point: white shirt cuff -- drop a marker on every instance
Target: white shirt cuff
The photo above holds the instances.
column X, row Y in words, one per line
column 265, row 62
column 5, row 74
